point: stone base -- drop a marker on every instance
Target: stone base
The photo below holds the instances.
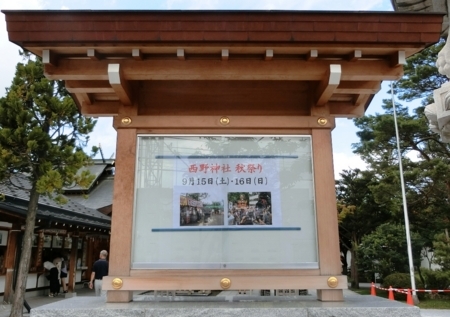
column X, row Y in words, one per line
column 228, row 305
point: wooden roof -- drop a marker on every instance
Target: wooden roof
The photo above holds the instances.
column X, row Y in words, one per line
column 314, row 62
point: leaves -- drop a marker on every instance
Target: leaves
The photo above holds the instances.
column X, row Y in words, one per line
column 41, row 131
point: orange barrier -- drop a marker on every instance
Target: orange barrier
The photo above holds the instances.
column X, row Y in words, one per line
column 391, row 293
column 407, row 291
column 409, row 299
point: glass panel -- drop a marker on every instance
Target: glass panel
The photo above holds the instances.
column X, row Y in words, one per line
column 224, row 202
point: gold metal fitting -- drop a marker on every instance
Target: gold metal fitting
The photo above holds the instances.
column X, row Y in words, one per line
column 224, row 121
column 225, row 283
column 332, row 282
column 117, row 283
column 126, row 120
column 322, row 121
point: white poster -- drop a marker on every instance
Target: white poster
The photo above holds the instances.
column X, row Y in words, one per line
column 224, row 202
column 226, row 191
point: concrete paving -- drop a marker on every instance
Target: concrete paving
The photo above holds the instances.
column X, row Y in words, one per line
column 41, row 305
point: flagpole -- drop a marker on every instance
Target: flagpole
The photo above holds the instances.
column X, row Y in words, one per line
column 405, row 207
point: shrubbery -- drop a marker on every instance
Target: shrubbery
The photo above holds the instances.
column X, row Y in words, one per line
column 435, row 280
column 401, row 280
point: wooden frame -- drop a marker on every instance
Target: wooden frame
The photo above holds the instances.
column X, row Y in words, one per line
column 328, row 246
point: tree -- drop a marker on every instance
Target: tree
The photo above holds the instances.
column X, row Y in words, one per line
column 358, row 213
column 41, row 137
column 425, row 159
column 426, row 167
column 442, row 250
column 383, row 251
column 421, row 75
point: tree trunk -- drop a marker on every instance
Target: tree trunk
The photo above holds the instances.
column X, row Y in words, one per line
column 354, row 266
column 24, row 264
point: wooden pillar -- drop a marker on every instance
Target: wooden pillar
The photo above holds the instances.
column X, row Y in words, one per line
column 73, row 264
column 327, row 220
column 11, row 249
column 40, row 249
column 90, row 259
column 122, row 215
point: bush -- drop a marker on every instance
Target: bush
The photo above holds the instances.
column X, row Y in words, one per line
column 435, row 280
column 401, row 280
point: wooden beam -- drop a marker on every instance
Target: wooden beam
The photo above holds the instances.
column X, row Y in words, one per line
column 49, row 58
column 328, row 85
column 89, row 86
column 362, row 99
column 100, row 109
column 119, row 84
column 269, row 55
column 364, row 70
column 84, row 98
column 346, row 109
column 312, row 55
column 180, row 54
column 353, row 57
column 137, row 54
column 93, row 54
column 212, row 122
column 122, row 221
column 208, row 280
column 327, row 222
column 225, row 54
column 398, row 58
column 358, row 87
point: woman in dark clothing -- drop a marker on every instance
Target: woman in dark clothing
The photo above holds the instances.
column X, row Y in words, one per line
column 53, row 278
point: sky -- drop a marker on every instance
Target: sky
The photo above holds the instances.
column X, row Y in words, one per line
column 344, row 135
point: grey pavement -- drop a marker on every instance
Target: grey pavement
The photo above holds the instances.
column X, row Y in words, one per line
column 352, row 299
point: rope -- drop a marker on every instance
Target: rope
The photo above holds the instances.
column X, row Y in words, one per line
column 405, row 290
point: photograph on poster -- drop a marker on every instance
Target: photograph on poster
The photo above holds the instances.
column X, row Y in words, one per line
column 197, row 209
column 249, row 208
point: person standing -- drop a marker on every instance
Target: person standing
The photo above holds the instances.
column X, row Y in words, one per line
column 62, row 269
column 99, row 270
column 53, row 278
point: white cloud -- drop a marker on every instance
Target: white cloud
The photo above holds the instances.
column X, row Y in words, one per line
column 344, row 161
column 280, row 5
column 105, row 135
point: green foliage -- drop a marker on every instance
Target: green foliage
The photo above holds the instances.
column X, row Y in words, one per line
column 421, row 76
column 385, row 250
column 436, row 279
column 358, row 213
column 42, row 132
column 426, row 167
column 441, row 246
column 400, row 280
column 42, row 135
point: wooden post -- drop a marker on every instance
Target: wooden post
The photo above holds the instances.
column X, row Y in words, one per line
column 122, row 216
column 327, row 222
column 11, row 250
column 73, row 264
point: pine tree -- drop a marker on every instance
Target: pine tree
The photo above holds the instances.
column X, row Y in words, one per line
column 42, row 135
